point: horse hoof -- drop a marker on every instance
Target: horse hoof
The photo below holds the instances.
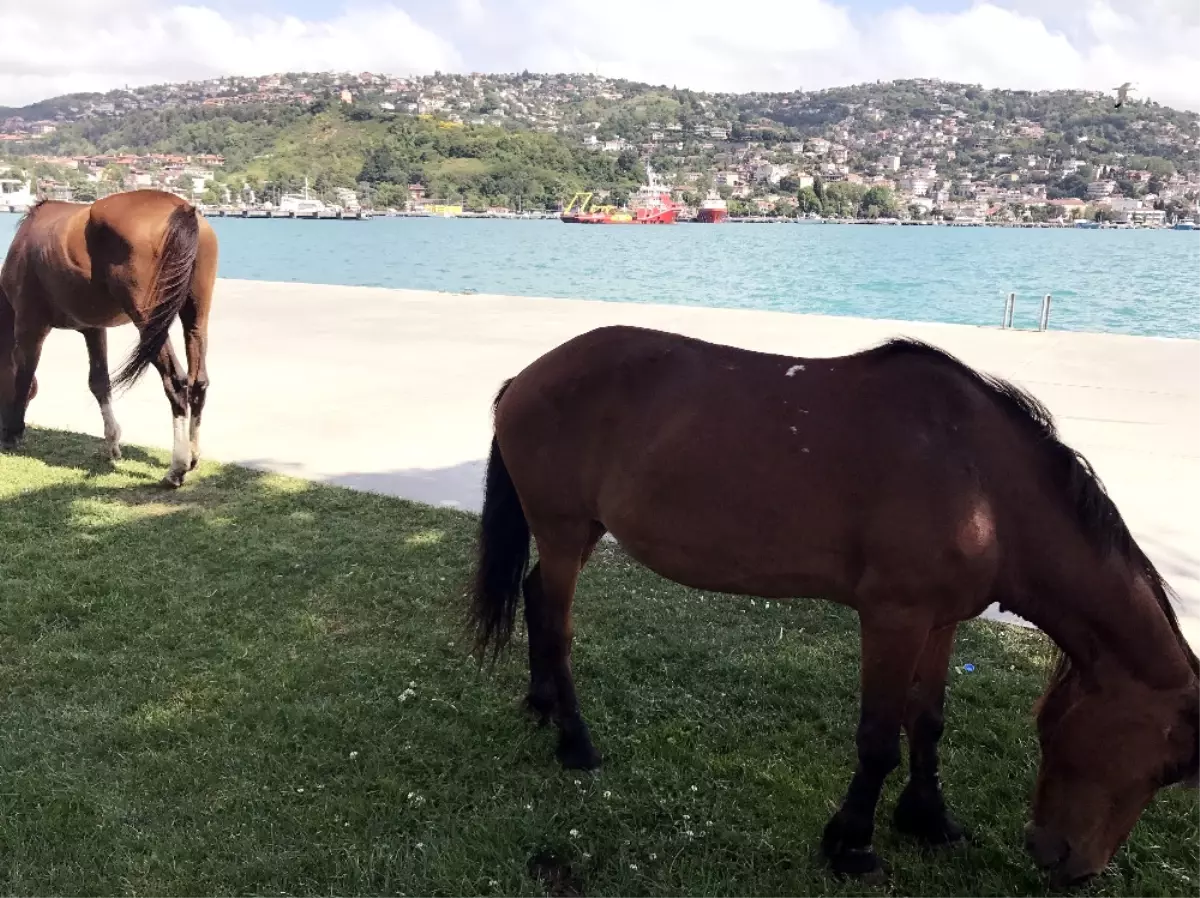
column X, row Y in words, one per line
column 173, row 480
column 926, row 821
column 578, row 754
column 11, row 444
column 194, row 462
column 540, row 708
column 860, row 863
column 113, row 451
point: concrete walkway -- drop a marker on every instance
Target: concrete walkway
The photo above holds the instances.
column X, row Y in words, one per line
column 390, row 391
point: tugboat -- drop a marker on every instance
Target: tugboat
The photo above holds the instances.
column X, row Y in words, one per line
column 713, row 210
column 652, row 204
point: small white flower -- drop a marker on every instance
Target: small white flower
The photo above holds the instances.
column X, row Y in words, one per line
column 301, row 789
column 574, row 834
column 689, row 834
column 579, row 782
column 687, row 816
column 529, row 807
column 421, row 846
column 607, row 793
column 353, row 755
column 587, row 854
column 633, row 867
column 653, row 856
column 412, row 684
column 494, row 883
column 694, row 789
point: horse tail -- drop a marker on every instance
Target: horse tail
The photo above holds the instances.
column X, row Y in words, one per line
column 503, row 556
column 171, row 287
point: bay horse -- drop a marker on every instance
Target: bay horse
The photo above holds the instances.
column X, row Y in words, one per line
column 144, row 256
column 897, row 481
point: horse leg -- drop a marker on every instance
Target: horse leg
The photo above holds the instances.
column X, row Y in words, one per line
column 98, row 381
column 8, row 325
column 890, row 650
column 542, row 699
column 921, row 810
column 27, row 351
column 549, row 592
column 195, row 336
column 175, row 386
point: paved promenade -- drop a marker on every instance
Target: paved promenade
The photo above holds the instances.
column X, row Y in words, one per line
column 390, row 391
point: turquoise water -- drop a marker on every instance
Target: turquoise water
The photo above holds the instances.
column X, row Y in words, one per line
column 1122, row 281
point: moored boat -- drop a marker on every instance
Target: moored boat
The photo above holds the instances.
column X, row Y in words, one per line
column 652, row 204
column 713, row 210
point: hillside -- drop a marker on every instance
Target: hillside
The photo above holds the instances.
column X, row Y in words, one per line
column 531, row 139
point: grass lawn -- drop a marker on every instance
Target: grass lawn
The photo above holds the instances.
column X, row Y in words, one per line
column 257, row 685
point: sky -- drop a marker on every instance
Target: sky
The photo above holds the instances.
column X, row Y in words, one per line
column 51, row 47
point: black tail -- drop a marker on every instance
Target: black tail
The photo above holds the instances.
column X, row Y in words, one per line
column 171, row 287
column 503, row 557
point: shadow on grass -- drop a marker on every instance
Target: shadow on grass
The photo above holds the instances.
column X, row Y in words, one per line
column 256, row 684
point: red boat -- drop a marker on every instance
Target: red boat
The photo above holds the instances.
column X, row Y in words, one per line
column 652, row 204
column 712, row 210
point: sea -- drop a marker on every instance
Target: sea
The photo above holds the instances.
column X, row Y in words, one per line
column 1143, row 282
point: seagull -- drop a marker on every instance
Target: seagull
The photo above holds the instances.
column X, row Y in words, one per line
column 1122, row 93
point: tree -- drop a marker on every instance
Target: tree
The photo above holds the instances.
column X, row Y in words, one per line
column 808, row 201
column 878, row 202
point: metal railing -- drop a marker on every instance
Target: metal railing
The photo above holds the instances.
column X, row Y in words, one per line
column 1010, row 305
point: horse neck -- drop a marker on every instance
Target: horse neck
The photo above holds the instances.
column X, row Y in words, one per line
column 1105, row 611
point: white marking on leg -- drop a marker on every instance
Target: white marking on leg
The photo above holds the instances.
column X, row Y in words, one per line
column 791, row 372
column 194, row 428
column 181, row 454
column 112, row 430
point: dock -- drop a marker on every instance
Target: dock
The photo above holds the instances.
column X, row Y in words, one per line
column 390, row 391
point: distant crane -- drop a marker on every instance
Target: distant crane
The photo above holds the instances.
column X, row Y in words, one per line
column 1123, row 93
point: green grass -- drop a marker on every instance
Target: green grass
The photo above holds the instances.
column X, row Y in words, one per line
column 256, row 685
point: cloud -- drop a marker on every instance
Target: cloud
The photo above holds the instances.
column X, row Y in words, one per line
column 77, row 45
column 53, row 46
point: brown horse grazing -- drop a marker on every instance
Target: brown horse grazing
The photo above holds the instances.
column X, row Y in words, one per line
column 897, row 481
column 145, row 256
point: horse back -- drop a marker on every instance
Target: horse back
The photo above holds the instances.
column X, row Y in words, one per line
column 749, row 472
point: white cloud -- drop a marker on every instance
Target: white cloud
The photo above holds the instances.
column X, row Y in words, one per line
column 53, row 46
column 59, row 46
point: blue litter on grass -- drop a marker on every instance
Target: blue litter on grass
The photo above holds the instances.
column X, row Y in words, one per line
column 969, row 668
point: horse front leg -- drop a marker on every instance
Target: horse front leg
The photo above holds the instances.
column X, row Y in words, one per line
column 891, row 648
column 15, row 395
column 921, row 811
column 101, row 387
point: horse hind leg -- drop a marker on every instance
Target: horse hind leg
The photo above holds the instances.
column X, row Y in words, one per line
column 549, row 594
column 101, row 387
column 176, row 388
column 194, row 317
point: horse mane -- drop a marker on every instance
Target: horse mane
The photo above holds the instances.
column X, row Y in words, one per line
column 29, row 212
column 1082, row 488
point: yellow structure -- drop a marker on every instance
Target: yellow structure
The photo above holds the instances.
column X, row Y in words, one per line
column 446, row 210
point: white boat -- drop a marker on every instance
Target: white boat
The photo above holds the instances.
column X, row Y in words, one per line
column 302, row 205
column 16, row 196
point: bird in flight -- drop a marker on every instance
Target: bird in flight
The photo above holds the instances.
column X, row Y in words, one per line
column 1122, row 93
